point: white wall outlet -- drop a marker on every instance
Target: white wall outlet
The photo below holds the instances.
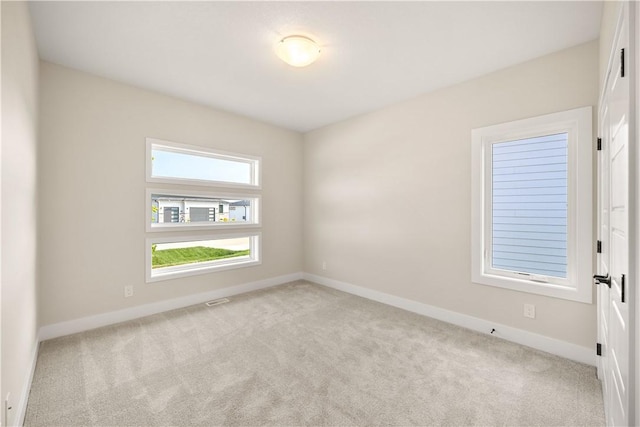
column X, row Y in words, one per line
column 324, row 265
column 128, row 291
column 530, row 311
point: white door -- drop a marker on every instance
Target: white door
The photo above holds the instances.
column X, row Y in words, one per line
column 613, row 230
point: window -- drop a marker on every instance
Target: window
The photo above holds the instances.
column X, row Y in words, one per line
column 197, row 212
column 529, row 205
column 174, row 163
column 532, row 205
column 173, row 209
column 172, row 257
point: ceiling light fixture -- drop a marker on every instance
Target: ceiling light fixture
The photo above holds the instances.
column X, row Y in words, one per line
column 298, row 51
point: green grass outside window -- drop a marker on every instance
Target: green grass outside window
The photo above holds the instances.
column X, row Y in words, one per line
column 180, row 256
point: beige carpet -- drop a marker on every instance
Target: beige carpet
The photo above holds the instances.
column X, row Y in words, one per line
column 302, row 354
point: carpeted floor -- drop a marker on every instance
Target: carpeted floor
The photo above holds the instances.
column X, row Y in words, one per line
column 302, row 354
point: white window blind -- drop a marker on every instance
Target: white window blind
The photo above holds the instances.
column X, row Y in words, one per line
column 529, row 205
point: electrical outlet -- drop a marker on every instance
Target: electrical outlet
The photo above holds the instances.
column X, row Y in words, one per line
column 530, row 311
column 324, row 265
column 128, row 291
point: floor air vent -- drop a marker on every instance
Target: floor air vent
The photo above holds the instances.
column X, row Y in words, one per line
column 216, row 302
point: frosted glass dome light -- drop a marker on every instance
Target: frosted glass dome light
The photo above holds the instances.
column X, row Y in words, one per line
column 298, row 51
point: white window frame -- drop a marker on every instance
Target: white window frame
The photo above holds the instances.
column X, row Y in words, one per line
column 174, row 272
column 253, row 161
column 578, row 124
column 167, row 226
column 191, row 187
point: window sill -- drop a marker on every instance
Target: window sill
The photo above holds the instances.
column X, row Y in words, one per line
column 539, row 288
column 185, row 226
column 168, row 273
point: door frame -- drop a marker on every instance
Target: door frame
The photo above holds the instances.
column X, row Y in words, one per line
column 634, row 205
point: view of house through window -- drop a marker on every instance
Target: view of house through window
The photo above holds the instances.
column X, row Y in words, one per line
column 529, row 205
column 531, row 212
column 167, row 208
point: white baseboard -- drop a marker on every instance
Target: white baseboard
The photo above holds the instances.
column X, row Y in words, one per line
column 519, row 336
column 21, row 409
column 86, row 323
column 530, row 339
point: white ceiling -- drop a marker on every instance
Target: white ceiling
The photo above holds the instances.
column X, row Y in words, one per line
column 221, row 54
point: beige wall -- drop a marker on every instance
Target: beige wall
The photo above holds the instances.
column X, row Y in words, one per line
column 387, row 198
column 19, row 208
column 92, row 192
